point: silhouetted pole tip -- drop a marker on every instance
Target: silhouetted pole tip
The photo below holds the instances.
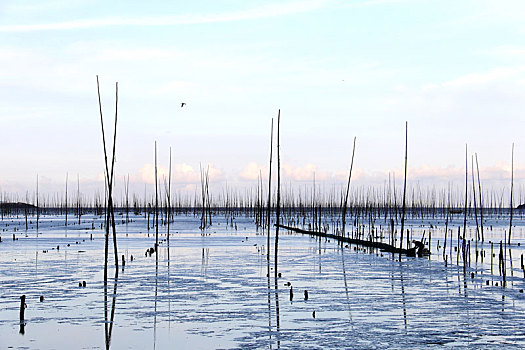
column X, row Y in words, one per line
column 305, row 295
column 313, row 314
column 291, row 293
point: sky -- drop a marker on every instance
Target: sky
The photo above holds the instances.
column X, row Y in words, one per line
column 454, row 70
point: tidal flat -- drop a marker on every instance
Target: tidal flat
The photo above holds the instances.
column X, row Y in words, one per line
column 210, row 288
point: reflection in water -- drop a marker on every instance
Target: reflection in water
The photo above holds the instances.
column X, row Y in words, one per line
column 346, row 287
column 156, row 292
column 169, row 277
column 277, row 315
column 403, row 298
column 465, row 290
column 204, row 261
column 320, row 254
column 108, row 321
column 269, row 304
column 511, row 267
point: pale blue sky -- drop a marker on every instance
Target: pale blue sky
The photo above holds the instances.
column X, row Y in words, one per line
column 337, row 69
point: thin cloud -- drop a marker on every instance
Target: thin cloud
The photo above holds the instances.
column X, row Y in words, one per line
column 267, row 11
column 181, row 174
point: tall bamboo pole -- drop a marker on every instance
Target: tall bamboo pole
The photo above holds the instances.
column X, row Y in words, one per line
column 278, row 208
column 480, row 201
column 463, row 244
column 269, row 217
column 404, row 187
column 511, row 190
column 66, row 196
column 156, row 204
column 169, row 201
column 348, row 190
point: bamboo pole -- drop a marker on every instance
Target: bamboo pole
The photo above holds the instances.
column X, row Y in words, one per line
column 66, row 196
column 156, row 204
column 475, row 202
column 480, row 201
column 278, row 205
column 269, row 216
column 463, row 243
column 511, row 190
column 109, row 178
column 169, row 201
column 348, row 190
column 404, row 187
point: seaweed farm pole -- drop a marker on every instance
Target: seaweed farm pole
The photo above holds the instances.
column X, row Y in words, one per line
column 37, row 207
column 463, row 243
column 404, row 188
column 208, row 193
column 109, row 179
column 169, row 201
column 66, row 196
column 270, row 194
column 511, row 188
column 348, row 191
column 203, row 216
column 278, row 208
column 126, row 188
column 480, row 201
column 115, row 252
column 78, row 197
column 156, row 204
column 475, row 202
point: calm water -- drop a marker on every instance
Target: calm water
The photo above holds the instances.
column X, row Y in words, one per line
column 211, row 291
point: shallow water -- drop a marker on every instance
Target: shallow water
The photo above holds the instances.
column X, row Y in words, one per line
column 211, row 291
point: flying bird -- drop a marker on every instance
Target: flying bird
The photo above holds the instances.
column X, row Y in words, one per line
column 182, row 104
